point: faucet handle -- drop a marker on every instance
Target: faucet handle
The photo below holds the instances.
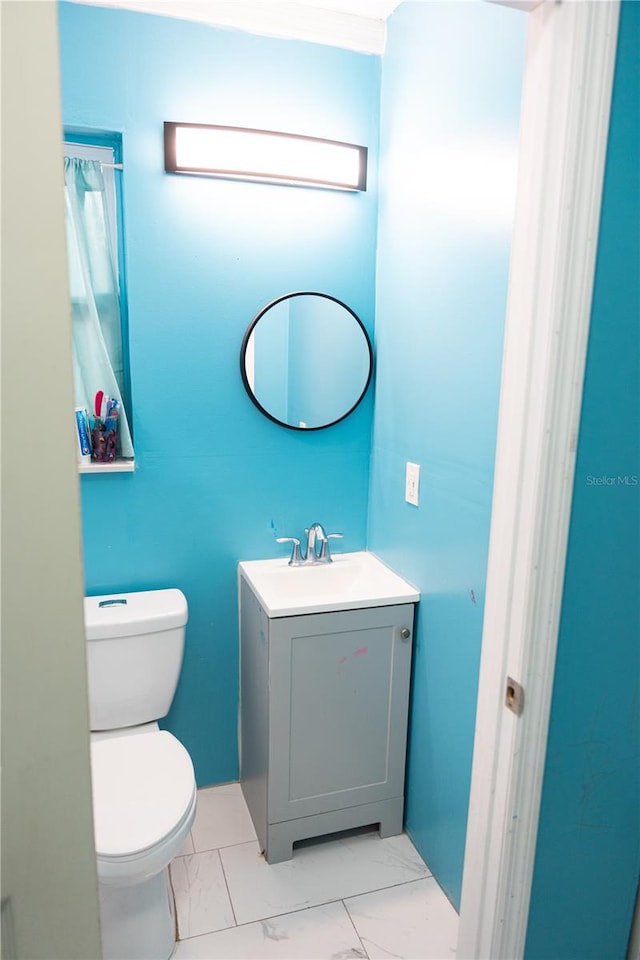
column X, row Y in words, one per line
column 296, row 557
column 325, row 555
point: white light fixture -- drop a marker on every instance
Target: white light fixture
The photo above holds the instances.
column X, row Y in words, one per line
column 239, row 153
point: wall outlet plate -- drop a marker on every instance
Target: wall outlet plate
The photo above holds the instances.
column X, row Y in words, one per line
column 412, row 484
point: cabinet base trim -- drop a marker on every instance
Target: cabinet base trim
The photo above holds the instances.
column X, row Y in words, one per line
column 282, row 836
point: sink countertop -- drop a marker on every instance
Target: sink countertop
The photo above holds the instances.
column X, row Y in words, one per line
column 352, row 581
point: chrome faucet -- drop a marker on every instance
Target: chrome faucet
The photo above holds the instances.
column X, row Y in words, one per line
column 315, row 532
column 315, row 535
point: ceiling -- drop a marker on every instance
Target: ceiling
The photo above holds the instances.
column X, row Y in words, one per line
column 355, row 24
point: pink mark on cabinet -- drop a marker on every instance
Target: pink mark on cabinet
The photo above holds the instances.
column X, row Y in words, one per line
column 342, row 660
column 360, row 652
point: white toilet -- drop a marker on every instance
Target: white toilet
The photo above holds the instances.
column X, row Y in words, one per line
column 144, row 789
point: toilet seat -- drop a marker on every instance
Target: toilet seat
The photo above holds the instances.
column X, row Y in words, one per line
column 144, row 795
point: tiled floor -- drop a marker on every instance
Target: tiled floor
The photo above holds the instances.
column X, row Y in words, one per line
column 344, row 897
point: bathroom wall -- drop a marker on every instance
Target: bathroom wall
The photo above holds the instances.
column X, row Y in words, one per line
column 215, row 480
column 448, row 145
column 588, row 851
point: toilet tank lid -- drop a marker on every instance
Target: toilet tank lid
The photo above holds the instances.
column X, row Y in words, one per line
column 127, row 614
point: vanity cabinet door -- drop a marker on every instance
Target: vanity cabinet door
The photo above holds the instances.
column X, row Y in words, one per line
column 338, row 694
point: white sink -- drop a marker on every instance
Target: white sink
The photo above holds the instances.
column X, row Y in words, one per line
column 350, row 582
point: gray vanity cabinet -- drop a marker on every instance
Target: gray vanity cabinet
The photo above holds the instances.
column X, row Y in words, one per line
column 324, row 700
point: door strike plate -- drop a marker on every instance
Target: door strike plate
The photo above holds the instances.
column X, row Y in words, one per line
column 514, row 696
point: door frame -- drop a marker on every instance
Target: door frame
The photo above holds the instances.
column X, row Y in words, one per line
column 568, row 80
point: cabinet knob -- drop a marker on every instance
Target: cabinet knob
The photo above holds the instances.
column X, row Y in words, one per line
column 405, row 633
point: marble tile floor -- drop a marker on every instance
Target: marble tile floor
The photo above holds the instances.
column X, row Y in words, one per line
column 348, row 896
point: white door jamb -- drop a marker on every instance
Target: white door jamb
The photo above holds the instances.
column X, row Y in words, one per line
column 564, row 128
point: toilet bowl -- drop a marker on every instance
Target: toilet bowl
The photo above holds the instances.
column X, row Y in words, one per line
column 144, row 789
column 144, row 803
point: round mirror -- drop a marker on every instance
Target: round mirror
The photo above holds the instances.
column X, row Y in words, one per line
column 306, row 360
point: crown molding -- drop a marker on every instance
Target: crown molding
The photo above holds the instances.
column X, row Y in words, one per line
column 284, row 19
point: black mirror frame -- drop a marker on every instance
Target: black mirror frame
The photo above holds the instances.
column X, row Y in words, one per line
column 243, row 352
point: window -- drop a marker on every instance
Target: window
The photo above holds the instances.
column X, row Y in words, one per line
column 96, row 283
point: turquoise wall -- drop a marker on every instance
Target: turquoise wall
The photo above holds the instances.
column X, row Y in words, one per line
column 448, row 142
column 215, row 480
column 588, row 849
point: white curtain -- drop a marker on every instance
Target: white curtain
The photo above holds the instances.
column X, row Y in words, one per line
column 97, row 329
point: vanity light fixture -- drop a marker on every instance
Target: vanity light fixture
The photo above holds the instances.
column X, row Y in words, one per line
column 264, row 155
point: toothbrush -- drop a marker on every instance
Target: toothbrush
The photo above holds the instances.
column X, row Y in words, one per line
column 112, row 408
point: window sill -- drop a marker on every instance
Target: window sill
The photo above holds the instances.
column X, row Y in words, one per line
column 118, row 466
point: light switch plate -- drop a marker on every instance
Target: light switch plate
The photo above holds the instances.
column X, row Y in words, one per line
column 412, row 484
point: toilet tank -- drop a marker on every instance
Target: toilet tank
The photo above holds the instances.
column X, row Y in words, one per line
column 135, row 643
